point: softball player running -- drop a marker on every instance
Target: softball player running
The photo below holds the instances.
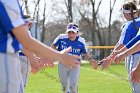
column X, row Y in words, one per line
column 69, row 76
column 12, row 30
column 129, row 31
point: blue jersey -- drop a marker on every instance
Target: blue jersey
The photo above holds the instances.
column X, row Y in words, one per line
column 10, row 18
column 63, row 42
column 129, row 31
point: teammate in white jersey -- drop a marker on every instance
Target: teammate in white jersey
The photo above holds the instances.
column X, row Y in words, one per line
column 70, row 77
column 129, row 31
column 13, row 31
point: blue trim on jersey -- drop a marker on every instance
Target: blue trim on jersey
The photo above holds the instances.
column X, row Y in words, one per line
column 131, row 31
column 133, row 41
column 77, row 47
column 5, row 22
column 21, row 54
column 5, row 27
column 21, row 12
column 5, row 30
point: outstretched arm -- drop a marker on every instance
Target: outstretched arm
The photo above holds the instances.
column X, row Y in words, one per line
column 93, row 62
column 33, row 60
column 41, row 49
column 106, row 62
column 135, row 48
column 131, row 47
column 37, row 62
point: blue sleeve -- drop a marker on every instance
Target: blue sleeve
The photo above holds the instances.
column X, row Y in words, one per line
column 4, row 19
column 57, row 41
column 127, row 34
column 133, row 41
column 10, row 15
column 130, row 33
column 84, row 50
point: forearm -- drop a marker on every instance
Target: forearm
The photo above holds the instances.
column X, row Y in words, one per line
column 115, row 47
column 138, row 65
column 119, row 47
column 88, row 56
column 135, row 48
column 33, row 45
column 28, row 53
column 43, row 50
column 123, row 49
column 133, row 41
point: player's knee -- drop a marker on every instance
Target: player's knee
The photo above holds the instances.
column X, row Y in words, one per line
column 73, row 89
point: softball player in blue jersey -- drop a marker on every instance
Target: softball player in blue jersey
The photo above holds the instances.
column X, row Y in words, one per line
column 129, row 31
column 69, row 77
column 9, row 65
column 12, row 30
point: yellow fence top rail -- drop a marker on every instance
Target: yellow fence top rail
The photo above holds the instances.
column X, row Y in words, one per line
column 101, row 47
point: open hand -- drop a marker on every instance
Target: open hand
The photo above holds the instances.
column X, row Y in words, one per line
column 68, row 59
column 93, row 63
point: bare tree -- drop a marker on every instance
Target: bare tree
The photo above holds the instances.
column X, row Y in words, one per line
column 43, row 22
column 68, row 4
column 92, row 19
column 111, row 7
column 36, row 15
column 25, row 7
column 36, row 5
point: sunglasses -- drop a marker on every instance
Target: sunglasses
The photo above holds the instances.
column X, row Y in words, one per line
column 72, row 27
column 126, row 7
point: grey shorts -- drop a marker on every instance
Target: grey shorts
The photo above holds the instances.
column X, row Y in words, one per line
column 10, row 78
column 131, row 63
column 25, row 68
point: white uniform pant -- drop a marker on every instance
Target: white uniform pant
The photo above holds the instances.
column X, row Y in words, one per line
column 25, row 68
column 131, row 62
column 10, row 74
column 69, row 78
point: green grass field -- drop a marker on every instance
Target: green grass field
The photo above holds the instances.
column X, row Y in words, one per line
column 112, row 80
